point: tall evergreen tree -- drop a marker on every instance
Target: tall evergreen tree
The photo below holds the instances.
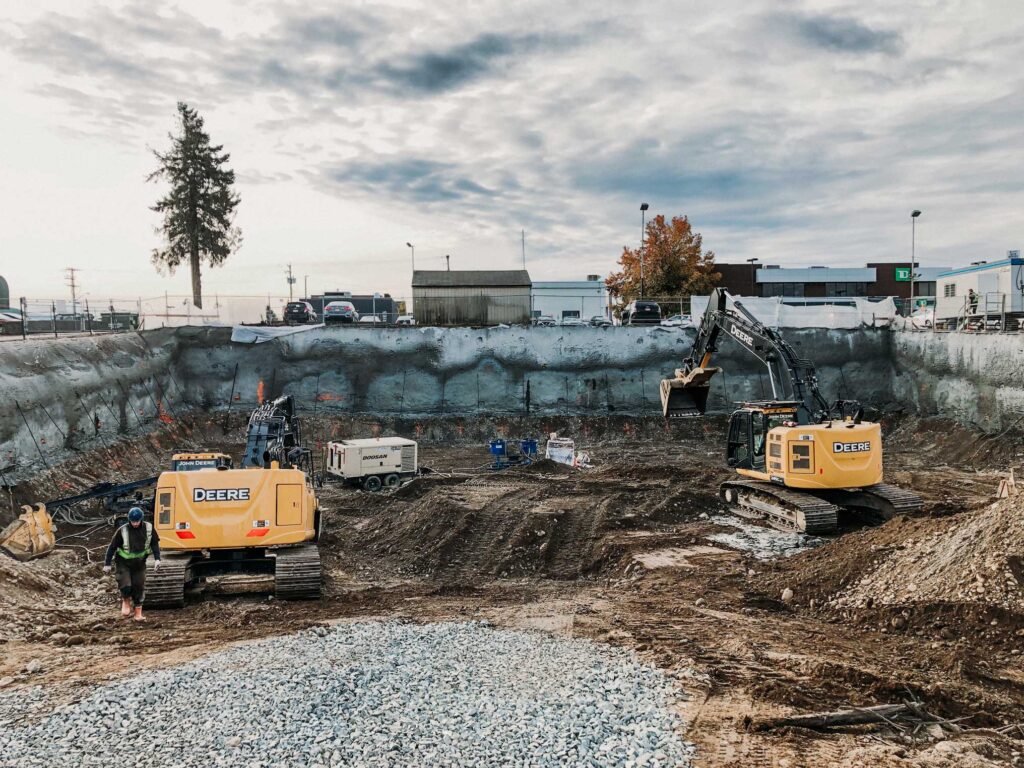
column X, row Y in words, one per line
column 199, row 210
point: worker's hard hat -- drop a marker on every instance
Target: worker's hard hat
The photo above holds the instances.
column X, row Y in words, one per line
column 135, row 515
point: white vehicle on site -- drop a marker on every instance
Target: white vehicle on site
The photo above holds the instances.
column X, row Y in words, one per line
column 373, row 463
column 405, row 320
column 572, row 321
column 678, row 321
column 369, row 319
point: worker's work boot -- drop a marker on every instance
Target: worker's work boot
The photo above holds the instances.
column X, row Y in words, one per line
column 126, row 607
column 138, row 613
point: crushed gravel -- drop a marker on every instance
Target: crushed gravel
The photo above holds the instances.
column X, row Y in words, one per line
column 366, row 694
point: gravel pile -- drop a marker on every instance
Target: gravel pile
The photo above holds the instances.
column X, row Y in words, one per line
column 368, row 694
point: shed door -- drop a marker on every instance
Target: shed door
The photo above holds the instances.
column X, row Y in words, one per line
column 289, row 504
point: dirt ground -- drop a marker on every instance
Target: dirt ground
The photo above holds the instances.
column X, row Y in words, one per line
column 618, row 553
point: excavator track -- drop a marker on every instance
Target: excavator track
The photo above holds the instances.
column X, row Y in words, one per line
column 165, row 587
column 883, row 500
column 297, row 573
column 782, row 508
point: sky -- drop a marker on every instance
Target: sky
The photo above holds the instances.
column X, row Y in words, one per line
column 799, row 133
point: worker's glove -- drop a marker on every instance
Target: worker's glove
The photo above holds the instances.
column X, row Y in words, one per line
column 106, row 569
column 156, row 565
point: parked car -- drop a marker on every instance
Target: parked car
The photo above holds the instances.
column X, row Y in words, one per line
column 340, row 312
column 678, row 321
column 572, row 321
column 299, row 313
column 641, row 313
column 405, row 320
column 600, row 321
column 545, row 321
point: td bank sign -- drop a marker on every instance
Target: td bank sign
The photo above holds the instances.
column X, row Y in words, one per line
column 902, row 274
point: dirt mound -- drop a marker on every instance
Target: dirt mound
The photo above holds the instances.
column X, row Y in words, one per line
column 494, row 526
column 977, row 558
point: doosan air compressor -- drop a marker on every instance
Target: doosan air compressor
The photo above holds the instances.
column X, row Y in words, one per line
column 373, row 463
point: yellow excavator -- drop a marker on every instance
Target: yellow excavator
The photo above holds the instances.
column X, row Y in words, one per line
column 800, row 459
column 261, row 518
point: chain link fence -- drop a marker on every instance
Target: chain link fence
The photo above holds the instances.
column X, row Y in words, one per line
column 84, row 316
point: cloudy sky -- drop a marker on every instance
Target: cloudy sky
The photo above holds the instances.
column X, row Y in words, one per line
column 797, row 132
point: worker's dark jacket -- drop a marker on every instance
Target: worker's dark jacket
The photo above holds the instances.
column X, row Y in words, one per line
column 138, row 548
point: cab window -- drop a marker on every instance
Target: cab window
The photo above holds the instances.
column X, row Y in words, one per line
column 738, row 451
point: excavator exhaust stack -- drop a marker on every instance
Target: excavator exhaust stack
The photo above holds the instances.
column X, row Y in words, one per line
column 30, row 536
column 687, row 394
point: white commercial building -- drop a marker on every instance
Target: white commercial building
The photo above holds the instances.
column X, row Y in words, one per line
column 563, row 299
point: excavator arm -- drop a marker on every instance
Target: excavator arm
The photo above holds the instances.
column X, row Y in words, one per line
column 273, row 434
column 791, row 377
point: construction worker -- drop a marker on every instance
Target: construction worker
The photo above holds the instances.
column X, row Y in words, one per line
column 132, row 545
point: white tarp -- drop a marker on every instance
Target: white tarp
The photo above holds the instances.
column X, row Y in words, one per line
column 852, row 313
column 257, row 334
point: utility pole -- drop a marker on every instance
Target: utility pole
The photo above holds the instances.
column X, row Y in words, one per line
column 291, row 282
column 305, row 287
column 524, row 249
column 74, row 288
column 913, row 257
column 448, row 261
column 643, row 214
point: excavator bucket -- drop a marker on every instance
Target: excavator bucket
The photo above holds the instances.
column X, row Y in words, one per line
column 686, row 394
column 30, row 536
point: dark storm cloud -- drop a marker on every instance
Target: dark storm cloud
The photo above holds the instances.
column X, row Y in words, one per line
column 415, row 179
column 437, row 71
column 844, row 35
column 328, row 31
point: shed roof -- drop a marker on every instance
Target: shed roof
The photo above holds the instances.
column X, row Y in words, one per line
column 470, row 278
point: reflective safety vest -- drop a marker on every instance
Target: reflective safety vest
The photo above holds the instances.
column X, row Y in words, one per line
column 124, row 550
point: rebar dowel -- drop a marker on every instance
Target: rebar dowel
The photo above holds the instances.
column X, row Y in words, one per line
column 52, row 421
column 31, row 434
column 231, row 399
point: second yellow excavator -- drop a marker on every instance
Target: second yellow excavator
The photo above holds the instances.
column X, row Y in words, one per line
column 801, row 459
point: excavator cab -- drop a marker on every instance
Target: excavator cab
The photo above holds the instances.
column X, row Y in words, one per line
column 748, row 433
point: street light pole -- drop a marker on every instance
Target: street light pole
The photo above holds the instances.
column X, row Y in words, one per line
column 753, row 275
column 413, row 249
column 305, row 286
column 643, row 215
column 913, row 256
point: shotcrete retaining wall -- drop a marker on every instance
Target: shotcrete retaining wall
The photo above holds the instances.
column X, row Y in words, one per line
column 503, row 370
column 973, row 378
column 75, row 391
column 60, row 394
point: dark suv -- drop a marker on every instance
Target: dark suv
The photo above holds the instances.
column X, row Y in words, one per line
column 299, row 312
column 641, row 313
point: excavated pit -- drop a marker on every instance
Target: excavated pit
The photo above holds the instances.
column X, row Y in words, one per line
column 633, row 552
column 630, row 552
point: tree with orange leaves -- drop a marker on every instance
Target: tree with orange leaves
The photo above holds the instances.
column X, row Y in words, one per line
column 675, row 264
